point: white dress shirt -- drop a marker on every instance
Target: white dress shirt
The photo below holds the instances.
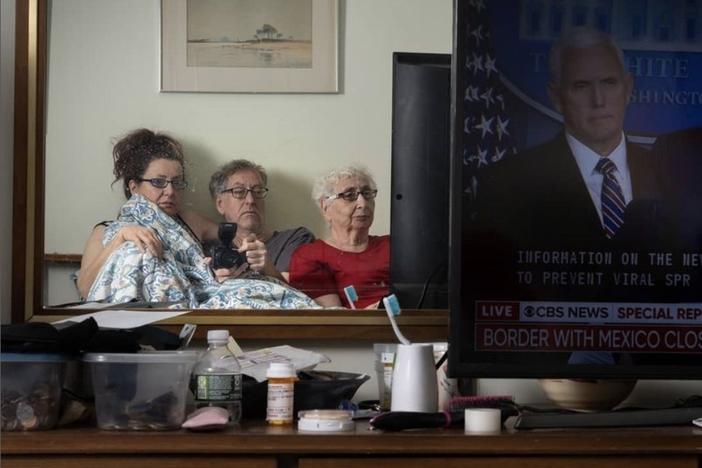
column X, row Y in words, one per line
column 587, row 160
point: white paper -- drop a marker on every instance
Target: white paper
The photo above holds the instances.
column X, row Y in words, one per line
column 124, row 319
column 92, row 305
column 255, row 363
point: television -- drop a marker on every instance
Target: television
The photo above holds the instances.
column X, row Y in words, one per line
column 419, row 179
column 533, row 292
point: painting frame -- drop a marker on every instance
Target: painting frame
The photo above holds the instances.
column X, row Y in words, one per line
column 320, row 77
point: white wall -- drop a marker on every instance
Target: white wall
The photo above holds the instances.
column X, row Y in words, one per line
column 7, row 80
column 104, row 81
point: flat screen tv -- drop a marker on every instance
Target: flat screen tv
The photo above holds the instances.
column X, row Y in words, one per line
column 420, row 172
column 561, row 266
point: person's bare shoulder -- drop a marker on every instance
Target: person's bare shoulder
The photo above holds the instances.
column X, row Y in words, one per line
column 203, row 227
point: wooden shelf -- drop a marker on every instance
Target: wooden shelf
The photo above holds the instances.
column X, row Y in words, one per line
column 341, row 324
column 279, row 447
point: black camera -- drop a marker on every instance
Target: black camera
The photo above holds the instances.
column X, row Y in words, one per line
column 224, row 255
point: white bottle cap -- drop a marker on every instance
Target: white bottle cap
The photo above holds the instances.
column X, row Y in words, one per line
column 483, row 421
column 217, row 335
column 280, row 370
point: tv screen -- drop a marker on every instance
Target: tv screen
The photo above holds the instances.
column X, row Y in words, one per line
column 575, row 206
column 420, row 170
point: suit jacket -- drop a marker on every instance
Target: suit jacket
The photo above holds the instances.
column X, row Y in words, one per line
column 539, row 198
column 537, row 201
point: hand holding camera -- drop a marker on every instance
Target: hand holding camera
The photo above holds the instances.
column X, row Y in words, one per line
column 255, row 252
column 228, row 262
column 225, row 255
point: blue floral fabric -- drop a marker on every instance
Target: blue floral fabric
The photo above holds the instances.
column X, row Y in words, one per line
column 181, row 275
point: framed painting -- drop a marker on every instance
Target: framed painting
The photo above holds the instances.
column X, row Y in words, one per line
column 249, row 46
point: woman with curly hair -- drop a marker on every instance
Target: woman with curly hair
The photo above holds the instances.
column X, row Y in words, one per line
column 143, row 160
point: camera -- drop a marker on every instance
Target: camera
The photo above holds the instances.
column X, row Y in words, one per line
column 224, row 255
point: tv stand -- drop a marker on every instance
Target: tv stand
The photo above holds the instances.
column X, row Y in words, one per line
column 620, row 418
column 256, row 444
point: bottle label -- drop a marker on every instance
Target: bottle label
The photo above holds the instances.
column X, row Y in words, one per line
column 386, row 397
column 223, row 387
column 280, row 402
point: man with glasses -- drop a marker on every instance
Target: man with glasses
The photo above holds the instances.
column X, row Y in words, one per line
column 239, row 189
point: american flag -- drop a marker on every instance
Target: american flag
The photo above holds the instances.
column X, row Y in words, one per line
column 487, row 123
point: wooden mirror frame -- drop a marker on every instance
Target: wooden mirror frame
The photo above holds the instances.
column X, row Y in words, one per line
column 28, row 256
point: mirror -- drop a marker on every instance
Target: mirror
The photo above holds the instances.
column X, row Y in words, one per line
column 92, row 74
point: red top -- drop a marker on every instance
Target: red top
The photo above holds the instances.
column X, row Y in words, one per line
column 318, row 269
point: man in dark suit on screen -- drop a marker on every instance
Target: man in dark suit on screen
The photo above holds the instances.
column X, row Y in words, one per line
column 587, row 189
column 588, row 186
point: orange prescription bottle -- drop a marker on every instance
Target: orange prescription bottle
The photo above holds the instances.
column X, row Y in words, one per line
column 281, row 392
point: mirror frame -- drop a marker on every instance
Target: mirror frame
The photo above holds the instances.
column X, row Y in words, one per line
column 28, row 258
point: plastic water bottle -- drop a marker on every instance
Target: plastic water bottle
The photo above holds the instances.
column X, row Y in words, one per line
column 217, row 376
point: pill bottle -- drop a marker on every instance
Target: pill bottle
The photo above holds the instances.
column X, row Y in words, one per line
column 281, row 392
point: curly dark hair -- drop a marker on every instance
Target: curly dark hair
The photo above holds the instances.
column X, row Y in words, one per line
column 133, row 153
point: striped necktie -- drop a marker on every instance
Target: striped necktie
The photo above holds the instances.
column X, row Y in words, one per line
column 613, row 203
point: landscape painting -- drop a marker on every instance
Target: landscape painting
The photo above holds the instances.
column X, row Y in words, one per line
column 250, row 46
column 249, row 33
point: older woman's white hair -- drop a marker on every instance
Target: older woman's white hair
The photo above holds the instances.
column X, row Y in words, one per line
column 325, row 186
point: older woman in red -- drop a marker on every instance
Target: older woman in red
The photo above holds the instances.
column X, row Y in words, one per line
column 348, row 255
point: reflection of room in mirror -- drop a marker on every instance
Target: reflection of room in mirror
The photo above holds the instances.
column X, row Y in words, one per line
column 296, row 137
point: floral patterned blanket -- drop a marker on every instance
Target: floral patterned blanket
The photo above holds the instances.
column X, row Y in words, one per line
column 181, row 276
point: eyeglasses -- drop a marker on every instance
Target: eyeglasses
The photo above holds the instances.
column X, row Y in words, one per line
column 352, row 195
column 162, row 183
column 240, row 192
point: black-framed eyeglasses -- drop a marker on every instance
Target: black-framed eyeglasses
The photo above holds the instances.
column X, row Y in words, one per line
column 240, row 192
column 352, row 195
column 162, row 182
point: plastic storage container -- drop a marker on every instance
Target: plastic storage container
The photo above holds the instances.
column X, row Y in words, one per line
column 31, row 390
column 143, row 391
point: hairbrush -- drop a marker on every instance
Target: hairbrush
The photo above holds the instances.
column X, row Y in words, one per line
column 400, row 420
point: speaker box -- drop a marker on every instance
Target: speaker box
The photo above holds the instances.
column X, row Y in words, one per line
column 419, row 216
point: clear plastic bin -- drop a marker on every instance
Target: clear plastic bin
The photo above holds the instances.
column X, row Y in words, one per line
column 31, row 390
column 143, row 391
